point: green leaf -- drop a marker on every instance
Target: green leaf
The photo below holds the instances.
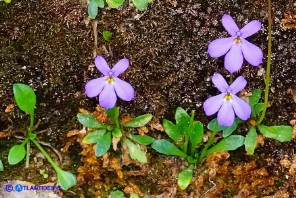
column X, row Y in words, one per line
column 135, row 152
column 116, row 194
column 113, row 114
column 139, row 121
column 89, row 121
column 227, row 131
column 257, row 108
column 228, row 144
column 184, row 177
column 1, row 166
column 172, row 130
column 25, row 97
column 212, row 124
column 94, row 136
column 114, row 3
column 182, row 119
column 197, row 133
column 255, row 97
column 107, row 35
column 167, row 148
column 117, row 133
column 16, row 154
column 250, row 141
column 134, row 196
column 142, row 139
column 92, row 9
column 100, row 3
column 146, row 196
column 65, row 179
column 281, row 133
column 103, row 144
column 140, row 4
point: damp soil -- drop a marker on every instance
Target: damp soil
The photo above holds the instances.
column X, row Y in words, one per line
column 50, row 46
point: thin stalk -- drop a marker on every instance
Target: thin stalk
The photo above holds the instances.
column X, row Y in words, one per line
column 28, row 155
column 53, row 164
column 209, row 143
column 231, row 79
column 28, row 144
column 267, row 75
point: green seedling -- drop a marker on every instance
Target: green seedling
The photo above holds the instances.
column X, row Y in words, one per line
column 104, row 133
column 94, row 5
column 42, row 172
column 6, row 1
column 120, row 194
column 107, row 35
column 187, row 135
column 26, row 100
column 1, row 166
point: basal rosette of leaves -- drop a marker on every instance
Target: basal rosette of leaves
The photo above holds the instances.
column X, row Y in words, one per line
column 103, row 134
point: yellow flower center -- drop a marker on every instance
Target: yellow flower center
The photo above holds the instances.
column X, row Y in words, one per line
column 237, row 39
column 110, row 79
column 228, row 96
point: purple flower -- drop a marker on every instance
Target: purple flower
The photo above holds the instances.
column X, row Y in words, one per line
column 236, row 47
column 227, row 104
column 109, row 86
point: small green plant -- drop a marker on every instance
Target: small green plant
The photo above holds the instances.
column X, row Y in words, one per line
column 42, row 172
column 6, row 1
column 120, row 194
column 1, row 166
column 107, row 35
column 94, row 5
column 187, row 135
column 103, row 133
column 26, row 100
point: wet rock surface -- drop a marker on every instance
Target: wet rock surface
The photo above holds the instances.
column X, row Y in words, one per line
column 49, row 45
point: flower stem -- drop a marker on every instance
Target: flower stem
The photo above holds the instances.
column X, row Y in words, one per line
column 209, row 143
column 231, row 79
column 267, row 76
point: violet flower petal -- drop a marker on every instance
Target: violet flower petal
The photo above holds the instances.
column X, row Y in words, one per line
column 225, row 115
column 95, row 86
column 213, row 104
column 220, row 83
column 242, row 108
column 252, row 53
column 229, row 24
column 234, row 59
column 102, row 65
column 250, row 29
column 108, row 98
column 120, row 66
column 123, row 89
column 238, row 85
column 219, row 47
